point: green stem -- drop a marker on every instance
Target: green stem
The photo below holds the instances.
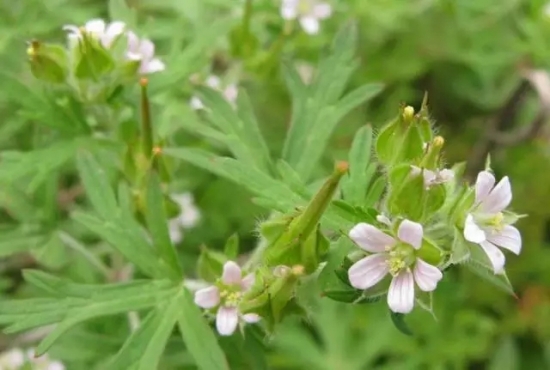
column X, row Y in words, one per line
column 146, row 127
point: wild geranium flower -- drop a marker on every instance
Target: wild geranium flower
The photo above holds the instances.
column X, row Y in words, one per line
column 12, row 359
column 229, row 92
column 225, row 296
column 143, row 50
column 188, row 217
column 308, row 12
column 486, row 225
column 394, row 256
column 434, row 177
column 98, row 29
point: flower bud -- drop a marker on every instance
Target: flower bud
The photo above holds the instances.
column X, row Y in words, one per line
column 432, row 157
column 48, row 62
column 92, row 60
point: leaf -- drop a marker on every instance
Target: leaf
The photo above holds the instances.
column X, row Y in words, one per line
column 98, row 188
column 375, row 192
column 20, row 240
column 398, row 320
column 357, row 97
column 231, row 249
column 292, row 179
column 128, row 239
column 485, row 272
column 506, row 356
column 120, row 11
column 158, row 225
column 355, row 185
column 199, row 339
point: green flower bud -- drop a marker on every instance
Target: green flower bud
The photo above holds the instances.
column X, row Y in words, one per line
column 48, row 62
column 92, row 60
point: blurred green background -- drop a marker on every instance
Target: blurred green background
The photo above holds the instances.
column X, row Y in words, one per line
column 471, row 57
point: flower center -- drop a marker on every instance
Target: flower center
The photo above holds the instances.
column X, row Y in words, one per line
column 400, row 257
column 497, row 221
column 231, row 295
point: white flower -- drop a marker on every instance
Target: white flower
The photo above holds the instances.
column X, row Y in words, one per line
column 396, row 256
column 485, row 224
column 43, row 362
column 143, row 51
column 226, row 297
column 12, row 359
column 308, row 12
column 432, row 178
column 230, row 92
column 188, row 217
column 98, row 29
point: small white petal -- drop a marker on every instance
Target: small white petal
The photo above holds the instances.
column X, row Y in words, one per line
column 430, row 177
column 133, row 46
column 472, row 232
column 401, row 293
column 484, row 183
column 213, row 82
column 207, row 297
column 111, row 33
column 310, row 24
column 231, row 273
column 55, row 365
column 411, row 233
column 95, row 26
column 499, row 198
column 248, row 281
column 147, row 49
column 230, row 93
column 174, row 231
column 509, row 238
column 370, row 238
column 15, row 358
column 383, row 220
column 426, row 276
column 446, row 175
column 368, row 271
column 72, row 29
column 194, row 285
column 227, row 319
column 322, row 11
column 495, row 256
column 196, row 103
column 251, row 318
column 153, row 66
column 289, row 9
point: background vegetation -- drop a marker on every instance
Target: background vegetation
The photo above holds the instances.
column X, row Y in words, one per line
column 474, row 58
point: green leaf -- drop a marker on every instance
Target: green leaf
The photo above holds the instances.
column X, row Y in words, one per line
column 506, row 356
column 357, row 97
column 20, row 240
column 375, row 193
column 158, row 225
column 98, row 188
column 198, row 337
column 398, row 320
column 231, row 249
column 485, row 272
column 120, row 11
column 355, row 185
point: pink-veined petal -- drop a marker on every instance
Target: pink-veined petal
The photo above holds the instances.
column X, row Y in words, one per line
column 472, row 232
column 411, row 233
column 207, row 297
column 310, row 24
column 251, row 318
column 484, row 183
column 147, row 49
column 370, row 238
column 496, row 257
column 113, row 30
column 133, row 46
column 248, row 281
column 508, row 238
column 368, row 271
column 401, row 293
column 231, row 273
column 322, row 10
column 227, row 319
column 426, row 276
column 499, row 198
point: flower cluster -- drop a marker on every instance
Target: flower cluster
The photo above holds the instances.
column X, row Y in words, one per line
column 188, row 217
column 17, row 359
column 308, row 12
column 225, row 296
column 229, row 92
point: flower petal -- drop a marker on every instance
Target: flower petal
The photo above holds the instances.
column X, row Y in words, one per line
column 368, row 271
column 231, row 273
column 227, row 319
column 230, row 93
column 401, row 293
column 495, row 256
column 426, row 276
column 55, row 365
column 147, row 49
column 152, row 66
column 133, row 46
column 411, row 233
column 383, row 219
column 207, row 297
column 213, row 82
column 112, row 32
column 370, row 238
column 248, row 281
column 196, row 103
column 322, row 10
column 446, row 175
column 499, row 198
column 251, row 318
column 484, row 183
column 310, row 24
column 289, row 9
column 509, row 238
column 95, row 26
column 174, row 231
column 472, row 232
